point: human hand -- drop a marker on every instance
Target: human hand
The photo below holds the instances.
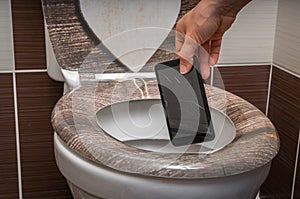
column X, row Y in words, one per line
column 201, row 30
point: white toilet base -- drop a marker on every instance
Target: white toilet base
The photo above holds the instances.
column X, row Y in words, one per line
column 102, row 182
column 81, row 194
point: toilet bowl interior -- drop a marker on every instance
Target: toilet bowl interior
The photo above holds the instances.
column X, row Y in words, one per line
column 142, row 124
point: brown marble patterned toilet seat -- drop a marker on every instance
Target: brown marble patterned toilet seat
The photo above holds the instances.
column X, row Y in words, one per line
column 74, row 120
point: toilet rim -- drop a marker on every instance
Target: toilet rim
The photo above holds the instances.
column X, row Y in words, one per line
column 79, row 130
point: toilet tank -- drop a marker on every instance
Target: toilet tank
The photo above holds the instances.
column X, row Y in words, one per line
column 53, row 68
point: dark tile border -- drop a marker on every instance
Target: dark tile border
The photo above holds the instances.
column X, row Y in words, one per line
column 8, row 153
column 37, row 95
column 28, row 34
column 249, row 82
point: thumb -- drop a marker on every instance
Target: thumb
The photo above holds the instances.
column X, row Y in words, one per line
column 186, row 54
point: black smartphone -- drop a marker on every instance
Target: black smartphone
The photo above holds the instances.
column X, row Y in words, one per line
column 184, row 100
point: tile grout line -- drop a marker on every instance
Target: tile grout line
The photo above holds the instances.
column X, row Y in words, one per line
column 243, row 64
column 275, row 32
column 24, row 71
column 31, row 71
column 212, row 76
column 6, row 71
column 296, row 165
column 269, row 90
column 17, row 136
column 16, row 111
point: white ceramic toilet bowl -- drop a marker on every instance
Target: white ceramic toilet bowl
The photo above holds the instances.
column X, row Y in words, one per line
column 89, row 180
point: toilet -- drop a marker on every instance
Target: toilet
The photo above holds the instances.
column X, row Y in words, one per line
column 110, row 137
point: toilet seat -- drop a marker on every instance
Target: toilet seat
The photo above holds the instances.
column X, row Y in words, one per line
column 74, row 120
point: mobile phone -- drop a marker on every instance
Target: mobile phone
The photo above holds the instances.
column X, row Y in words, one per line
column 184, row 100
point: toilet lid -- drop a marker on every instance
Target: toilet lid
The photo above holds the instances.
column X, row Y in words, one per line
column 82, row 47
column 129, row 29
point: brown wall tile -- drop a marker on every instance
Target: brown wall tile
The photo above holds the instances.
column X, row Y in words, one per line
column 37, row 95
column 248, row 82
column 8, row 158
column 28, row 32
column 284, row 112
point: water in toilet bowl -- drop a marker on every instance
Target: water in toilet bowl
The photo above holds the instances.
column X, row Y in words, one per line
column 141, row 124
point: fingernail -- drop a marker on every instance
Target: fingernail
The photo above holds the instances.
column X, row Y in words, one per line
column 183, row 69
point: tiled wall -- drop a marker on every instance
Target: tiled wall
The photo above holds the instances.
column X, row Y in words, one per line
column 284, row 112
column 27, row 96
column 279, row 97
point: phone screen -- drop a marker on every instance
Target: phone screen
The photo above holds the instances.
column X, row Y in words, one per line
column 184, row 100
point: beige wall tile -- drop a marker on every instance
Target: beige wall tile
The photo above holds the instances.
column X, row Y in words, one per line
column 287, row 39
column 6, row 44
column 251, row 38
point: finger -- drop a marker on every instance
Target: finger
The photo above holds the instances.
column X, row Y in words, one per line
column 205, row 46
column 204, row 60
column 179, row 40
column 215, row 51
column 186, row 54
column 179, row 35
